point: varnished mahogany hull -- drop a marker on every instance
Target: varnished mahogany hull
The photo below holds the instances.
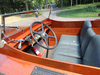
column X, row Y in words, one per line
column 59, row 27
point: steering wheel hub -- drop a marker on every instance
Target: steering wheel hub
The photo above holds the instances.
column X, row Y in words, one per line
column 44, row 35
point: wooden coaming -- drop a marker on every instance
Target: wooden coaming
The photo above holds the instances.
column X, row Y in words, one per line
column 70, row 28
column 66, row 66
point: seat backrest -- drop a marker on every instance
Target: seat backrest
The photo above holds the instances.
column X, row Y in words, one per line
column 87, row 37
column 92, row 54
column 86, row 25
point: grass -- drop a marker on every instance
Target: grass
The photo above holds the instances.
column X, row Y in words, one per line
column 82, row 6
column 83, row 12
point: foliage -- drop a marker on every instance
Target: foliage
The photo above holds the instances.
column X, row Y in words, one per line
column 8, row 6
column 23, row 0
column 83, row 6
column 87, row 10
column 79, row 13
column 41, row 3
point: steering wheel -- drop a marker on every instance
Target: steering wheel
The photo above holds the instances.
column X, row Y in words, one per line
column 43, row 35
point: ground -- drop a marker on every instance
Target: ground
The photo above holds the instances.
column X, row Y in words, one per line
column 20, row 21
column 14, row 19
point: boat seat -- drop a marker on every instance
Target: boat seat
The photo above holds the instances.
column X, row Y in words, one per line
column 75, row 51
column 65, row 58
column 75, row 40
column 67, row 50
column 91, row 54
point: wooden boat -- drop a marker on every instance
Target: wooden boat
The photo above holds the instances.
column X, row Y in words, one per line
column 18, row 58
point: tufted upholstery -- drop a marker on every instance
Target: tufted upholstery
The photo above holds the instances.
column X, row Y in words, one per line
column 70, row 40
column 68, row 50
column 92, row 54
column 86, row 25
column 87, row 53
column 88, row 36
column 75, row 40
column 66, row 58
column 72, row 50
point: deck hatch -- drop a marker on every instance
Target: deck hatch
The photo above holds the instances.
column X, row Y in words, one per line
column 42, row 71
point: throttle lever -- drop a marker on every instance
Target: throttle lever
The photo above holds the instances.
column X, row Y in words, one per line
column 20, row 43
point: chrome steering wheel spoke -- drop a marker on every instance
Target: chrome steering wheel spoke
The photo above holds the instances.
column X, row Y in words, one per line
column 42, row 27
column 36, row 32
column 46, row 42
column 51, row 36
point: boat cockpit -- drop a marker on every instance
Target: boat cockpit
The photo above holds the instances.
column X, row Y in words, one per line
column 66, row 45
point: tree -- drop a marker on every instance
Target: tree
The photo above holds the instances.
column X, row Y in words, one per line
column 46, row 3
column 26, row 4
column 61, row 3
column 76, row 2
column 2, row 7
column 5, row 6
column 93, row 1
column 97, row 1
column 71, row 3
column 27, row 9
column 37, row 3
column 80, row 1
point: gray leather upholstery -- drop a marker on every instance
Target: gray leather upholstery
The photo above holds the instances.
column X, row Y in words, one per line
column 86, row 25
column 88, row 36
column 75, row 51
column 75, row 40
column 68, row 50
column 92, row 54
column 69, row 40
column 88, row 53
column 66, row 58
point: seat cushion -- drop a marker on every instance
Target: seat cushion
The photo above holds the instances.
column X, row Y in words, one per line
column 92, row 54
column 69, row 40
column 86, row 40
column 76, row 40
column 68, row 50
column 66, row 58
column 87, row 24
